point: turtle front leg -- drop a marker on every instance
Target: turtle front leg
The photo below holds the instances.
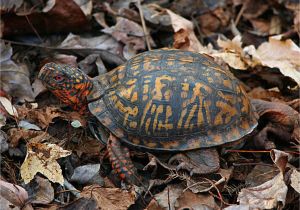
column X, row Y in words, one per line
column 121, row 163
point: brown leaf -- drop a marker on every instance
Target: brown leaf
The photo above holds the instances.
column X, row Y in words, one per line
column 43, row 117
column 63, row 16
column 45, row 191
column 280, row 159
column 266, row 95
column 197, row 162
column 79, row 204
column 261, row 25
column 232, row 53
column 14, row 78
column 89, row 147
column 109, row 198
column 155, row 15
column 184, row 38
column 276, row 112
column 168, row 197
column 128, row 32
column 13, row 193
column 281, row 54
column 275, row 53
column 266, row 195
column 189, row 200
column 16, row 134
column 260, row 174
column 183, row 200
column 214, row 20
column 103, row 42
column 254, row 10
column 42, row 158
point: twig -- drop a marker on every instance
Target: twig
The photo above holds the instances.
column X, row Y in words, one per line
column 169, row 199
column 248, row 151
column 237, row 20
column 250, row 164
column 144, row 25
column 260, row 151
column 71, row 188
column 34, row 30
column 105, row 55
column 220, row 197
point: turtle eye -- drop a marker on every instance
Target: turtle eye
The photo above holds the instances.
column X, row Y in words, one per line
column 58, row 78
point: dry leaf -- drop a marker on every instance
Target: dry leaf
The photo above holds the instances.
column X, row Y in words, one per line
column 281, row 54
column 184, row 38
column 8, row 106
column 233, row 53
column 155, row 15
column 14, row 79
column 128, row 32
column 104, row 42
column 45, row 191
column 86, row 6
column 100, row 18
column 275, row 53
column 265, row 196
column 42, row 158
column 189, row 200
column 280, row 159
column 109, row 198
column 13, row 193
column 238, row 207
column 169, row 196
column 295, row 180
column 197, row 161
column 15, row 134
column 57, row 16
column 43, row 117
column 260, row 174
column 8, row 5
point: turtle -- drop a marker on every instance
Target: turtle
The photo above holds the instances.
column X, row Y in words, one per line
column 164, row 100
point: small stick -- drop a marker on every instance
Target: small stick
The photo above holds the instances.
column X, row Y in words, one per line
column 71, row 188
column 249, row 151
column 34, row 30
column 144, row 25
column 237, row 20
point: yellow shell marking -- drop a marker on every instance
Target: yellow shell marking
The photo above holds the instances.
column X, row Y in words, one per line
column 159, row 110
column 206, row 104
column 133, row 124
column 147, row 124
column 191, row 114
column 224, row 109
column 166, row 125
column 134, row 97
column 183, row 113
column 157, row 93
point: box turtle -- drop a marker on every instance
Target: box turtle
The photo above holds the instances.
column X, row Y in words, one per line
column 162, row 100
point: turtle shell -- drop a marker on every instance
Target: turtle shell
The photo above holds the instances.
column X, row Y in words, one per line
column 172, row 100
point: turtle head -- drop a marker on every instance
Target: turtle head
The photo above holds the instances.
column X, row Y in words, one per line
column 69, row 84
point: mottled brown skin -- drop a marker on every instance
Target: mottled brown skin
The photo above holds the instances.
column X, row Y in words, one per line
column 163, row 100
